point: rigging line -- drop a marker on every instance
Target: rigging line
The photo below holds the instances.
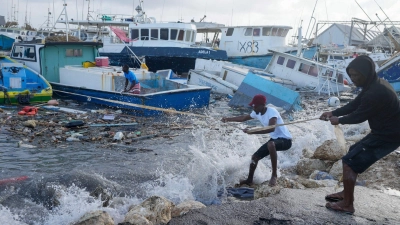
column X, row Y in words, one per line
column 162, row 11
column 326, row 8
column 363, row 10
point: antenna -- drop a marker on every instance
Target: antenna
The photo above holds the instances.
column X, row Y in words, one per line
column 63, row 12
column 88, row 12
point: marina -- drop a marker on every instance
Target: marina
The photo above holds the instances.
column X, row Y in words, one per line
column 113, row 114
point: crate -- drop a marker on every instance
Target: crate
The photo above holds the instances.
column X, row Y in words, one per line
column 102, row 61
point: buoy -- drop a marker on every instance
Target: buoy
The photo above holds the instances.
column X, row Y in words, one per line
column 333, row 102
column 12, row 180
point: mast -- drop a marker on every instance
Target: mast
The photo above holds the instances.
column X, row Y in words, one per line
column 63, row 12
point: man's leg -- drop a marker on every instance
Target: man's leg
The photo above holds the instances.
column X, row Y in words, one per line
column 252, row 169
column 349, row 182
column 274, row 162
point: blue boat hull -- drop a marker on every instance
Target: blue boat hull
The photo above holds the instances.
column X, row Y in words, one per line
column 6, row 42
column 276, row 94
column 179, row 60
column 182, row 100
column 390, row 72
column 261, row 61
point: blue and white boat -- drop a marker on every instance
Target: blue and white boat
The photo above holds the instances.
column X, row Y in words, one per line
column 162, row 45
column 68, row 68
column 390, row 71
column 249, row 45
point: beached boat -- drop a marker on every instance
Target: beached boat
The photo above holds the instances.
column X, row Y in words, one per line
column 21, row 85
column 69, row 67
column 390, row 71
column 249, row 45
column 162, row 45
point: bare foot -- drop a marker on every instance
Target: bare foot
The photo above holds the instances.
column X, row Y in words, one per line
column 335, row 197
column 247, row 182
column 340, row 207
column 272, row 181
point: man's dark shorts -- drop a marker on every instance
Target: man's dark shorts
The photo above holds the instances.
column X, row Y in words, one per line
column 281, row 144
column 367, row 151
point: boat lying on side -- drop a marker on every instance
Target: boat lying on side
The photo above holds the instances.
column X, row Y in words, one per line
column 75, row 72
column 390, row 71
column 21, row 85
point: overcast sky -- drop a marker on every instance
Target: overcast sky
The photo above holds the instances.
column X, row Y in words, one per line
column 228, row 12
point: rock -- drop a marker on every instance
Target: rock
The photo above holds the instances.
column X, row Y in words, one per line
column 321, row 175
column 1, row 110
column 156, row 209
column 137, row 220
column 329, row 150
column 52, row 102
column 337, row 170
column 264, row 190
column 95, row 218
column 307, row 153
column 308, row 183
column 185, row 207
column 288, row 183
column 305, row 167
column 29, row 123
column 100, row 192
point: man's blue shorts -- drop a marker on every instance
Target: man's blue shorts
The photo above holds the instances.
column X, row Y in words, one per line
column 367, row 151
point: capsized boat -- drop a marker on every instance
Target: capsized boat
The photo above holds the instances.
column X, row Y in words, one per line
column 21, row 85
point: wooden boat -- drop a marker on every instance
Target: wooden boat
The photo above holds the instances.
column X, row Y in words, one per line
column 71, row 69
column 21, row 85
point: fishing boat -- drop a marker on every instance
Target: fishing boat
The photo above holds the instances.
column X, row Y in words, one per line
column 75, row 71
column 249, row 45
column 390, row 71
column 21, row 85
column 162, row 45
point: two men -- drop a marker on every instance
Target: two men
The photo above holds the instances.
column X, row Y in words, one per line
column 281, row 139
column 378, row 104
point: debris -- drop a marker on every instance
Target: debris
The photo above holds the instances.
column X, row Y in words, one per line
column 118, row 136
column 30, row 123
column 75, row 123
column 108, row 117
column 112, row 125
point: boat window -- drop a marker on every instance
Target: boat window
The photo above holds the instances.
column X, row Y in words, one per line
column 329, row 74
column 193, row 36
column 290, row 63
column 280, row 31
column 2, row 29
column 164, row 34
column 22, row 33
column 187, row 37
column 280, row 60
column 266, row 31
column 304, row 68
column 144, row 34
column 180, row 35
column 274, row 31
column 340, row 78
column 154, row 34
column 248, row 32
column 313, row 71
column 135, row 34
column 338, row 57
column 73, row 52
column 256, row 32
column 29, row 52
column 229, row 32
column 18, row 51
column 174, row 33
column 284, row 32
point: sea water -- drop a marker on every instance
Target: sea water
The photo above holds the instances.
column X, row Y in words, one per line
column 198, row 165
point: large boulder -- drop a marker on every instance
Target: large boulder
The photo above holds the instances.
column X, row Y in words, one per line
column 264, row 190
column 337, row 170
column 305, row 167
column 95, row 218
column 156, row 209
column 185, row 207
column 330, row 150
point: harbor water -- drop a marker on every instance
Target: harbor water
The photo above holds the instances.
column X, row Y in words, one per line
column 196, row 164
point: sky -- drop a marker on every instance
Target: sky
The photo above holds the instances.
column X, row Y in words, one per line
column 229, row 12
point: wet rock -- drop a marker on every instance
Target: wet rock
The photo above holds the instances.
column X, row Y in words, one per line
column 185, row 207
column 155, row 209
column 264, row 190
column 29, row 123
column 100, row 192
column 306, row 167
column 308, row 183
column 307, row 153
column 95, row 218
column 329, row 150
